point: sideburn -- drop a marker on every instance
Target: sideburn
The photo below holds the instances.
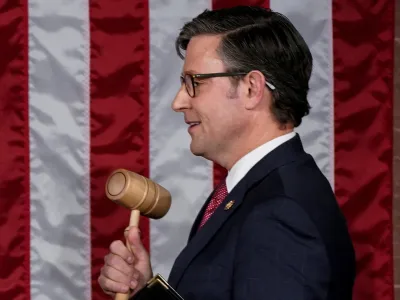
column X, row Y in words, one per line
column 233, row 90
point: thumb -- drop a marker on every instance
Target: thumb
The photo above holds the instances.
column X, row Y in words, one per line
column 135, row 243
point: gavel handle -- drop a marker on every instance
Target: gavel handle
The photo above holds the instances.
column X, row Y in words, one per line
column 133, row 221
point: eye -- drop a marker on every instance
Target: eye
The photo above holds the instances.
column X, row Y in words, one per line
column 196, row 83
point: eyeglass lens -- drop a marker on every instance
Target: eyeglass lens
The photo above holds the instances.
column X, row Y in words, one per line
column 189, row 85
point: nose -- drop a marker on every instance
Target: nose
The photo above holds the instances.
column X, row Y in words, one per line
column 181, row 101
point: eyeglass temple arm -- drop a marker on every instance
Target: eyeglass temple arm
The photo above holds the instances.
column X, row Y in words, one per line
column 272, row 87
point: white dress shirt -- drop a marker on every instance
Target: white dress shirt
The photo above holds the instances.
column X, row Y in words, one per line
column 243, row 165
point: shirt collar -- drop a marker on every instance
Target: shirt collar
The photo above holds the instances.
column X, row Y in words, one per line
column 244, row 164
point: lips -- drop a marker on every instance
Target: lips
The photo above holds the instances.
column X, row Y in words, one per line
column 191, row 124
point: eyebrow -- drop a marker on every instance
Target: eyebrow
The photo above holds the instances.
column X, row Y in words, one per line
column 189, row 72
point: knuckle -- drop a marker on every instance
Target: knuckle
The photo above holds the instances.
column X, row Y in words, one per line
column 105, row 272
column 110, row 260
column 107, row 260
column 113, row 260
column 115, row 246
column 110, row 273
column 102, row 281
column 107, row 285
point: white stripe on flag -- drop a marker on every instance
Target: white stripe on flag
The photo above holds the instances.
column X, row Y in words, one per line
column 315, row 25
column 59, row 145
column 188, row 178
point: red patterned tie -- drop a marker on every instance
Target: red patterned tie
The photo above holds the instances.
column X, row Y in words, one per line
column 219, row 195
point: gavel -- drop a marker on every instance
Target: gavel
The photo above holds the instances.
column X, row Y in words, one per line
column 140, row 195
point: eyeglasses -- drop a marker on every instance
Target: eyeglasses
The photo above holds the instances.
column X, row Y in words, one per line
column 189, row 80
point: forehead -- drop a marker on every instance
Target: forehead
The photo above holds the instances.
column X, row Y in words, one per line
column 201, row 55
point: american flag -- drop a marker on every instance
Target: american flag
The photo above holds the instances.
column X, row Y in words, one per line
column 86, row 88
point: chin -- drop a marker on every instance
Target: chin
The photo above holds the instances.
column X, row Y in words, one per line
column 197, row 151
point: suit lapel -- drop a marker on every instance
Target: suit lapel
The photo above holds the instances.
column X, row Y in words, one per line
column 283, row 154
column 200, row 238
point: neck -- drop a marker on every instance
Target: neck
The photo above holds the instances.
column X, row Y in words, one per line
column 246, row 144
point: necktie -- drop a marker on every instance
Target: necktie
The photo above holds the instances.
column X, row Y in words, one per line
column 219, row 195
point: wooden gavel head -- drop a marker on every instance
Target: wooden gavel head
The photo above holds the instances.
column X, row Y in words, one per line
column 137, row 192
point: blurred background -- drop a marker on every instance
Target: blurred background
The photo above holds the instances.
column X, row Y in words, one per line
column 86, row 87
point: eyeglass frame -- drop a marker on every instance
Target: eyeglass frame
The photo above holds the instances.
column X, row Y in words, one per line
column 212, row 75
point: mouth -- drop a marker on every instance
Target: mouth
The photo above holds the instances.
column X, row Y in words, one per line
column 193, row 124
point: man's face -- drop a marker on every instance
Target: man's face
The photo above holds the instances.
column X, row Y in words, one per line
column 216, row 114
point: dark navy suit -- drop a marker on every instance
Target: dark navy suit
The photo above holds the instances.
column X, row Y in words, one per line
column 284, row 238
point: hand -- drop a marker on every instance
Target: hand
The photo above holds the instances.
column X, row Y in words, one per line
column 123, row 269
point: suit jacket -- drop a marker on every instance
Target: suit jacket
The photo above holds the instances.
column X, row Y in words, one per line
column 283, row 238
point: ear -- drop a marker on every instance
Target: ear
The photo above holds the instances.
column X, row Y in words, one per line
column 255, row 84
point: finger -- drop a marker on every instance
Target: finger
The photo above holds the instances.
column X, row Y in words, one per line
column 118, row 248
column 116, row 275
column 110, row 286
column 119, row 264
column 133, row 237
column 111, row 294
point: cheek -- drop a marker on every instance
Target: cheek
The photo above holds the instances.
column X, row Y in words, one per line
column 224, row 121
column 219, row 113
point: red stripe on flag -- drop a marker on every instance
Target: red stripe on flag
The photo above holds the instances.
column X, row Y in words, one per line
column 119, row 115
column 14, row 152
column 363, row 65
column 220, row 172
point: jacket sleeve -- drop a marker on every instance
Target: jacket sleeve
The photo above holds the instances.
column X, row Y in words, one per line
column 280, row 255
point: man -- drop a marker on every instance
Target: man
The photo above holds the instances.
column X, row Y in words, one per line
column 273, row 229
